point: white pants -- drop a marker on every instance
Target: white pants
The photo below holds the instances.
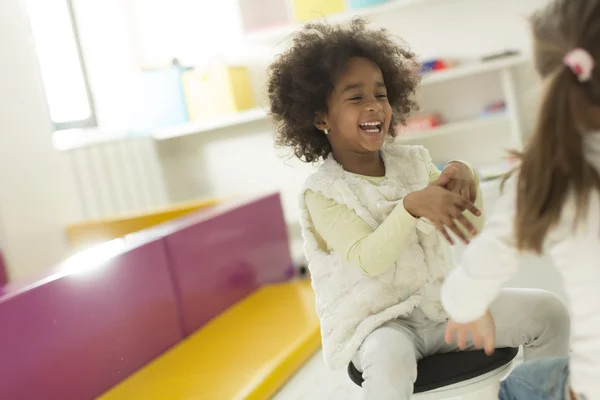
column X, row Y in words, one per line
column 388, row 357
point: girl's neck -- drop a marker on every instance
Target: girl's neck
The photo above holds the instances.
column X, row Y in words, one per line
column 368, row 164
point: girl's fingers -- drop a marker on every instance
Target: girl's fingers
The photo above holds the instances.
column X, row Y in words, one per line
column 477, row 340
column 489, row 344
column 452, row 226
column 467, row 224
column 462, row 339
column 467, row 205
column 469, row 195
column 450, row 329
column 446, row 177
column 466, row 193
column 442, row 229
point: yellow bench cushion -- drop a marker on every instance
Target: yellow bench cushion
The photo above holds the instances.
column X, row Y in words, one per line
column 89, row 233
column 248, row 352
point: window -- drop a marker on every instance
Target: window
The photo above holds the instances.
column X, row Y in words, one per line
column 62, row 68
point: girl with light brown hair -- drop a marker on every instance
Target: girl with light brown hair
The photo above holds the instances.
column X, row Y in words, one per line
column 551, row 205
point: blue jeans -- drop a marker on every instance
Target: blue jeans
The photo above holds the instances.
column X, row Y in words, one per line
column 541, row 379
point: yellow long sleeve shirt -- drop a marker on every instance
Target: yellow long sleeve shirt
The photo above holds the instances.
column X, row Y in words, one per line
column 374, row 251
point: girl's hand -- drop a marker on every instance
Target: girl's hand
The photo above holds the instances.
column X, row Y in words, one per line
column 442, row 207
column 483, row 333
column 463, row 182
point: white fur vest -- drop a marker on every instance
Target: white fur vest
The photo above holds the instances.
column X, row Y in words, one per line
column 349, row 303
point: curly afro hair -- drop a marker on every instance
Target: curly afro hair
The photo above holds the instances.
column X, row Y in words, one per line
column 302, row 78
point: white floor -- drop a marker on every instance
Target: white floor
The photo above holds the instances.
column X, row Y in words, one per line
column 316, row 382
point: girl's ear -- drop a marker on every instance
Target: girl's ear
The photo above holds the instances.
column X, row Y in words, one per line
column 320, row 122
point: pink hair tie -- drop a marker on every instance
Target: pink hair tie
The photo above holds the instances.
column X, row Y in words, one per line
column 581, row 63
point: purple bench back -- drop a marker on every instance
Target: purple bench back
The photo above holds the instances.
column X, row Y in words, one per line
column 221, row 255
column 75, row 335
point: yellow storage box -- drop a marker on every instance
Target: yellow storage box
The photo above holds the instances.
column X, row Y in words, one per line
column 217, row 92
column 306, row 10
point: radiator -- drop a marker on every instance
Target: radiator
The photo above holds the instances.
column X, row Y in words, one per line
column 118, row 178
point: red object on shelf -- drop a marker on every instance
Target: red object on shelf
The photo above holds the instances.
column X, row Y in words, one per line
column 421, row 123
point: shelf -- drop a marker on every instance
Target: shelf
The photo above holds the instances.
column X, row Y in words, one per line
column 456, row 127
column 473, row 68
column 258, row 114
column 281, row 33
column 192, row 128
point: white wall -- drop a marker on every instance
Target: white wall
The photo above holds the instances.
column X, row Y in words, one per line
column 37, row 191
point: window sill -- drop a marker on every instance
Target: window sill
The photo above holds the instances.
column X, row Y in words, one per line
column 71, row 139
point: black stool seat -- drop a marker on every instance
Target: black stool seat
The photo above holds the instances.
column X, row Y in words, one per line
column 447, row 369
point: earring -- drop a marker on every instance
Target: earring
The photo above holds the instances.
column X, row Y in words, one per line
column 326, row 130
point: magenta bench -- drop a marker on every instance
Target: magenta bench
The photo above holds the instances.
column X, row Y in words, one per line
column 73, row 335
column 221, row 255
column 110, row 310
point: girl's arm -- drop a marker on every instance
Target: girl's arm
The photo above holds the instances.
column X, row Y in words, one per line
column 374, row 251
column 488, row 262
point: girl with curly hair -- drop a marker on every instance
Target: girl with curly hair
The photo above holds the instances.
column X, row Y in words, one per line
column 375, row 214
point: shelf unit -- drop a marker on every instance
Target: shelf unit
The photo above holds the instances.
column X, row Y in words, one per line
column 454, row 127
column 473, row 68
column 484, row 139
column 281, row 33
column 192, row 128
column 461, row 71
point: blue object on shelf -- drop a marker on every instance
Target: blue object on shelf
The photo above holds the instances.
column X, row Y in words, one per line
column 427, row 67
column 354, row 4
column 158, row 100
column 494, row 109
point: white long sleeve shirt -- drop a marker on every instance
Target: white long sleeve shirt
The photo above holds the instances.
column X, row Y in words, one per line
column 491, row 260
